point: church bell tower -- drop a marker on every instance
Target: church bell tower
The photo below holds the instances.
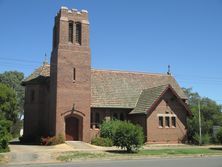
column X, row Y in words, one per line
column 70, row 76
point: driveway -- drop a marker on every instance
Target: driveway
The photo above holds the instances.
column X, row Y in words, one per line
column 26, row 154
column 31, row 154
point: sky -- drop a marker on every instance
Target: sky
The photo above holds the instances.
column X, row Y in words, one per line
column 129, row 35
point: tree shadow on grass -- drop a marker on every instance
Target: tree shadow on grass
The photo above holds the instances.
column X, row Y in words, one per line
column 216, row 148
column 17, row 142
column 120, row 152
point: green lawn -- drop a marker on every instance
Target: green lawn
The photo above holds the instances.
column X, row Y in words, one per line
column 78, row 155
column 183, row 151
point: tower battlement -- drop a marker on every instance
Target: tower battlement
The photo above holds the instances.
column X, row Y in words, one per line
column 71, row 27
column 73, row 14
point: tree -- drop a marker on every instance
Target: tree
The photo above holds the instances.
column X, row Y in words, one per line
column 13, row 80
column 8, row 103
column 4, row 135
column 219, row 135
column 211, row 115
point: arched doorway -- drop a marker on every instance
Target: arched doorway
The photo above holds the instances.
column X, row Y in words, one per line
column 72, row 128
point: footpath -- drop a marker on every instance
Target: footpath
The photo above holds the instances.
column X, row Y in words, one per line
column 32, row 154
column 28, row 154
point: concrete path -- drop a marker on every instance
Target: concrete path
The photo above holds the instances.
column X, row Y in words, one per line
column 30, row 154
column 82, row 146
column 79, row 145
column 26, row 154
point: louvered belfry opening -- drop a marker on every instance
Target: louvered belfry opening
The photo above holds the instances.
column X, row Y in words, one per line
column 71, row 31
column 78, row 33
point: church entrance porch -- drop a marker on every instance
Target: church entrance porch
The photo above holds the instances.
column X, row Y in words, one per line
column 72, row 128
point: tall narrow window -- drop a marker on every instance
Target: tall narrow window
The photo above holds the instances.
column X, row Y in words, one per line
column 91, row 120
column 71, row 31
column 160, row 122
column 32, row 98
column 122, row 117
column 173, row 121
column 167, row 121
column 78, row 33
column 97, row 120
column 74, row 74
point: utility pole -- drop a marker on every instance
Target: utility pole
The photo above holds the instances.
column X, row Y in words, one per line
column 200, row 140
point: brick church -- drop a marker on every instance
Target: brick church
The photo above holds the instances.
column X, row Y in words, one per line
column 68, row 97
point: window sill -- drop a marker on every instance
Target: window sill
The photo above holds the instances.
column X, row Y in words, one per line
column 97, row 129
column 77, row 44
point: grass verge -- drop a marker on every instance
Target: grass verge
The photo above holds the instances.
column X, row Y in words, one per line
column 74, row 155
column 184, row 151
column 77, row 155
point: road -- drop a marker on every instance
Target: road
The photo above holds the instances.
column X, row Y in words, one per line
column 152, row 162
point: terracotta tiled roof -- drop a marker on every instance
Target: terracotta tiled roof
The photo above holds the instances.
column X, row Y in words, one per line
column 43, row 71
column 122, row 89
column 147, row 99
column 118, row 89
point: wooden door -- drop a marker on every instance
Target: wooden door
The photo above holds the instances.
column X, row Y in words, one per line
column 72, row 128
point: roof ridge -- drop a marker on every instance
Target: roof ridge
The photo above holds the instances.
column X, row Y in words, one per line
column 130, row 72
column 113, row 71
column 43, row 66
column 166, row 85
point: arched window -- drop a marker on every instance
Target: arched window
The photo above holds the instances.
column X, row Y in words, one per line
column 70, row 31
column 78, row 33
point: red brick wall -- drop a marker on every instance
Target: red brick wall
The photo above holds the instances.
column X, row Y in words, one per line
column 139, row 119
column 65, row 92
column 164, row 134
column 36, row 111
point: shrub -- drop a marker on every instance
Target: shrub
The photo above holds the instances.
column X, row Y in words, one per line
column 128, row 136
column 108, row 129
column 5, row 136
column 205, row 139
column 15, row 128
column 219, row 135
column 4, row 145
column 105, row 142
column 123, row 134
column 48, row 141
